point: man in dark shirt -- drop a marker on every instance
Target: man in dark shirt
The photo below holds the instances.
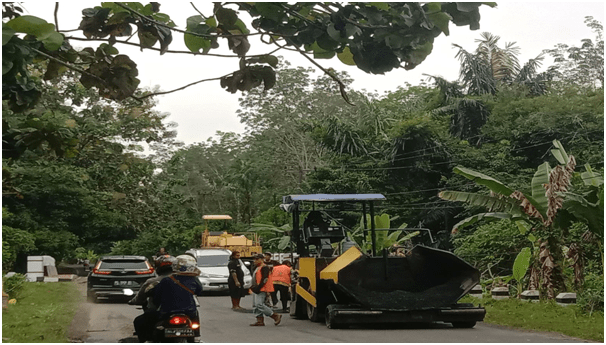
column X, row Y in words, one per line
column 235, row 281
column 176, row 292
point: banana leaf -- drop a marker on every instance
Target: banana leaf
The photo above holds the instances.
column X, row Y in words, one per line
column 491, row 216
column 491, row 202
column 539, row 199
column 559, row 153
column 590, row 178
column 521, row 264
column 484, row 180
column 591, row 213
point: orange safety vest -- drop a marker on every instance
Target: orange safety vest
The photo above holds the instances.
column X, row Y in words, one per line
column 281, row 275
column 269, row 286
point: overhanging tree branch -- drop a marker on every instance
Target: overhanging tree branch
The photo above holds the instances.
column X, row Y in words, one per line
column 170, row 51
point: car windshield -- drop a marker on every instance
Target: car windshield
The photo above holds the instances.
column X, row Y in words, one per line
column 213, row 260
column 123, row 264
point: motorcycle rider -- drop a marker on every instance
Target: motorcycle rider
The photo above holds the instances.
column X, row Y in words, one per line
column 144, row 323
column 175, row 293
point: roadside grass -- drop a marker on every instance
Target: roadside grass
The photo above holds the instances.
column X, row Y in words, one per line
column 546, row 316
column 42, row 314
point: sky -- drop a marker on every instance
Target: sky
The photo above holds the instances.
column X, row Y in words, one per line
column 203, row 109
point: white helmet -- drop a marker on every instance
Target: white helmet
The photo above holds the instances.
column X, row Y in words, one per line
column 186, row 265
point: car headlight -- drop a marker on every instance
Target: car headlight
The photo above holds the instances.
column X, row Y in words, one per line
column 204, row 275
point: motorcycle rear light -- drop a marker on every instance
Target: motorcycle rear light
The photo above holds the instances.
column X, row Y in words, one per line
column 178, row 320
column 195, row 325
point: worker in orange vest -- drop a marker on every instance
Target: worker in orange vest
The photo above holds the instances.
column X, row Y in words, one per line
column 261, row 286
column 281, row 279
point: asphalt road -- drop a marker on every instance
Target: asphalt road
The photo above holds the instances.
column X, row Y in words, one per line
column 112, row 322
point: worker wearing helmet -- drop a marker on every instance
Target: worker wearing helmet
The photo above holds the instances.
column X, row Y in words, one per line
column 175, row 293
column 144, row 323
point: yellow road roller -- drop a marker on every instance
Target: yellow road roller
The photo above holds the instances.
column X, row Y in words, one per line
column 348, row 286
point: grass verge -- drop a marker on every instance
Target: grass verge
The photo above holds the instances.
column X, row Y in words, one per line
column 43, row 313
column 546, row 316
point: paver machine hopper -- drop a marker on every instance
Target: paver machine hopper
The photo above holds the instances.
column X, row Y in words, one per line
column 348, row 286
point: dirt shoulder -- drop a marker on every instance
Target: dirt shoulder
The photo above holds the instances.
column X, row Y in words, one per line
column 78, row 329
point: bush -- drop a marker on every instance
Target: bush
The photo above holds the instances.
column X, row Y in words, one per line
column 591, row 297
column 13, row 286
column 493, row 245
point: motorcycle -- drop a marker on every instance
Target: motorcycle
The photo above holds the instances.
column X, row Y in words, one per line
column 176, row 327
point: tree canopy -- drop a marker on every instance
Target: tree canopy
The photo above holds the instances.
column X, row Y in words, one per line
column 375, row 37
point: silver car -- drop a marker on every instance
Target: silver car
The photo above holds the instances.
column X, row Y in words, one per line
column 212, row 264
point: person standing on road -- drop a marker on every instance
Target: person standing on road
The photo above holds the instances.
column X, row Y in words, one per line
column 281, row 279
column 262, row 285
column 235, row 281
column 269, row 263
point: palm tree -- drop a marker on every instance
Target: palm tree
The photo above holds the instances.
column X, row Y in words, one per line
column 481, row 72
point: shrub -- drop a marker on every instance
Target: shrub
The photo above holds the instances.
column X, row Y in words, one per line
column 591, row 297
column 492, row 245
column 14, row 285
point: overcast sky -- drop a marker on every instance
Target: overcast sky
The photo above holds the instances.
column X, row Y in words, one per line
column 203, row 109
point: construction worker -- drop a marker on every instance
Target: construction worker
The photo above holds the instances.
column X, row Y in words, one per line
column 281, row 279
column 262, row 285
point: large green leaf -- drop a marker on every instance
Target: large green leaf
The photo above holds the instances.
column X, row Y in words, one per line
column 540, row 178
column 441, row 20
column 43, row 31
column 559, row 153
column 7, row 34
column 346, row 57
column 521, row 264
column 382, row 221
column 591, row 178
column 591, row 213
column 490, row 202
column 484, row 180
column 491, row 216
column 284, row 242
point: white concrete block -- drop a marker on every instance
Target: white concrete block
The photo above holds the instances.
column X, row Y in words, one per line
column 33, row 276
column 51, row 279
column 476, row 291
column 500, row 293
column 530, row 296
column 566, row 298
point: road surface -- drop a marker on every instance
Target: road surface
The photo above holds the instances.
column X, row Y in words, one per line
column 112, row 323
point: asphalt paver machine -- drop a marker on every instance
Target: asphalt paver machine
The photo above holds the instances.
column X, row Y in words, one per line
column 347, row 286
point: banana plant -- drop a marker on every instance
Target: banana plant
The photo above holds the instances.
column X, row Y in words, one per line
column 275, row 237
column 384, row 240
column 520, row 267
column 530, row 211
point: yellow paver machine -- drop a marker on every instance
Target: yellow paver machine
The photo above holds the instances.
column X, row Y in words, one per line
column 353, row 287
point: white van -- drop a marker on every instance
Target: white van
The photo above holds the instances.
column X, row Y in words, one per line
column 212, row 264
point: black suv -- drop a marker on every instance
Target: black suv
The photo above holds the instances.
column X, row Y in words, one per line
column 113, row 274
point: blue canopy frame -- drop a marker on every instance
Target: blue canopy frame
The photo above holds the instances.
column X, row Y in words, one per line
column 291, row 204
column 332, row 197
